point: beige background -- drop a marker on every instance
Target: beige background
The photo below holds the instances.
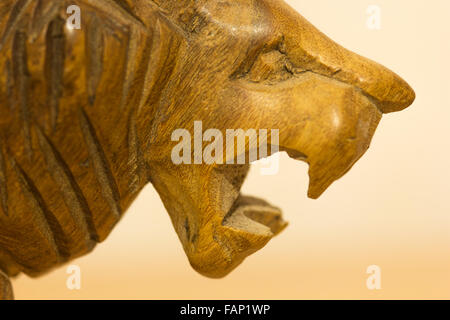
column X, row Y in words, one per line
column 392, row 209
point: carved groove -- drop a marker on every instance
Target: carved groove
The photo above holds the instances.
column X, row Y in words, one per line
column 168, row 65
column 95, row 47
column 101, row 167
column 3, row 185
column 118, row 11
column 134, row 156
column 71, row 192
column 45, row 219
column 45, row 11
column 152, row 50
column 54, row 64
column 130, row 62
column 21, row 79
column 9, row 84
column 16, row 15
column 126, row 8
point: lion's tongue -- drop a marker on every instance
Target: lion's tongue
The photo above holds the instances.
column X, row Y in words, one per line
column 255, row 216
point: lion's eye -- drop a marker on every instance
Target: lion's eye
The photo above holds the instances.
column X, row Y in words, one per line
column 270, row 67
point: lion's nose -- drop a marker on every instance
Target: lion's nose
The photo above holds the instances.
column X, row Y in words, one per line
column 385, row 88
column 309, row 49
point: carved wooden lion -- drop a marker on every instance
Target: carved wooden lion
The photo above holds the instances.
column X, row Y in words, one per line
column 87, row 117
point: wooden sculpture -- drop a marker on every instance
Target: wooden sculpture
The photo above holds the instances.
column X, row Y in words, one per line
column 87, row 117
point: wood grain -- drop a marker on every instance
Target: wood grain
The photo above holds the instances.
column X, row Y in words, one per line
column 88, row 116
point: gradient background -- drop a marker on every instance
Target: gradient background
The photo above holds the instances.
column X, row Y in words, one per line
column 392, row 209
